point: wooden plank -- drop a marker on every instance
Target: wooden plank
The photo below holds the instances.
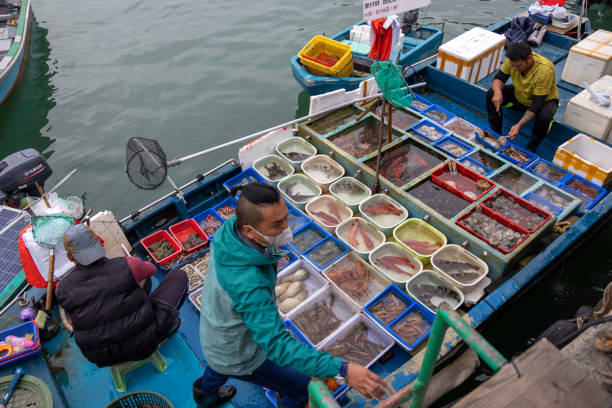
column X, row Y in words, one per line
column 547, row 379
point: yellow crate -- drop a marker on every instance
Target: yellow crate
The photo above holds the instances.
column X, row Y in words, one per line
column 598, row 174
column 319, row 45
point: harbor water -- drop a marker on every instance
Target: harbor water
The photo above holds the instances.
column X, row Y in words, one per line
column 196, row 74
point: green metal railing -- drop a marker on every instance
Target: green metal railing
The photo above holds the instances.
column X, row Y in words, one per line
column 415, row 392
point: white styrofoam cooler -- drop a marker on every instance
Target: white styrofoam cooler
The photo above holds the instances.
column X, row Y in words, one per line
column 590, row 59
column 587, row 116
column 471, row 55
column 586, row 157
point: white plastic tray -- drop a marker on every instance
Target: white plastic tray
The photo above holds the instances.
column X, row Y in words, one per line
column 313, row 284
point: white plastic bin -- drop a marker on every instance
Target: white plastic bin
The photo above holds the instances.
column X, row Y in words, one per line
column 314, row 283
column 590, row 59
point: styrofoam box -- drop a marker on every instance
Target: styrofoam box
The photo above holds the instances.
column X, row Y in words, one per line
column 587, row 116
column 313, row 284
column 590, row 59
column 471, row 55
column 586, row 157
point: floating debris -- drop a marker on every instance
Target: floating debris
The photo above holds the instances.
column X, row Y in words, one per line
column 412, row 327
column 161, row 249
column 275, row 172
column 317, row 322
column 226, row 211
column 325, row 253
column 210, row 225
column 583, row 188
column 513, row 210
column 514, row 180
column 496, row 141
column 306, row 238
column 492, row 230
column 193, row 240
column 516, row 154
column 355, row 347
column 439, row 198
column 431, row 132
column 388, row 308
column 548, row 171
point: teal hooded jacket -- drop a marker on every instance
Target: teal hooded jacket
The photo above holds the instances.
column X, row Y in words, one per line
column 239, row 323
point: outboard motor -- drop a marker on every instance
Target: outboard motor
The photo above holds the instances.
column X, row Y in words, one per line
column 19, row 173
column 410, row 21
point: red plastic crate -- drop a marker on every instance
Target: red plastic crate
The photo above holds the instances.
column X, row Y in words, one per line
column 501, row 220
column 183, row 229
column 528, row 206
column 467, row 173
column 160, row 236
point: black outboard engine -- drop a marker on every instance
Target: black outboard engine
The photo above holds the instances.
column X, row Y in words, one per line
column 19, row 173
column 410, row 21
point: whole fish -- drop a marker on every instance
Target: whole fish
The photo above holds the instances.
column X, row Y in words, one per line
column 366, row 238
column 326, row 218
column 424, row 247
column 386, row 208
column 394, row 262
column 332, row 209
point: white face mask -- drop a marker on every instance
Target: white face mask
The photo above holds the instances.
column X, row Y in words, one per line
column 281, row 239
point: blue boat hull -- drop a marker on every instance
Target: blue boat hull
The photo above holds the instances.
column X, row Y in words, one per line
column 9, row 76
column 317, row 84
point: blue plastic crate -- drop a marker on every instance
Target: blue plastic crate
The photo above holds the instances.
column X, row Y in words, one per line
column 531, row 169
column 539, row 18
column 296, row 333
column 343, row 251
column 427, row 315
column 592, row 201
column 297, row 220
column 486, row 170
column 20, row 331
column 487, row 144
column 422, row 100
column 428, row 122
column 239, row 178
column 203, row 215
column 450, row 139
column 539, row 202
column 395, row 290
column 313, row 228
column 292, row 258
column 449, row 115
column 230, row 201
column 532, row 156
column 586, row 202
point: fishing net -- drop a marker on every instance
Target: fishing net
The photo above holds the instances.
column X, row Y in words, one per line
column 145, row 163
column 49, row 229
column 392, row 84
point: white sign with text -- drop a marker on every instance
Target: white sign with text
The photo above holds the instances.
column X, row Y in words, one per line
column 373, row 9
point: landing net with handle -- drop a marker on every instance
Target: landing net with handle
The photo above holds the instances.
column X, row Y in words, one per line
column 145, row 163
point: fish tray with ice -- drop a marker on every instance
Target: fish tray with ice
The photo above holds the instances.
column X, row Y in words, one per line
column 406, row 161
column 325, row 253
column 419, row 238
column 295, row 150
column 350, row 191
column 360, row 235
column 491, row 139
column 464, row 269
column 383, row 211
column 323, row 170
column 273, row 168
column 395, row 263
column 322, row 314
column 548, row 171
column 430, row 130
column 360, row 341
column 517, row 210
column 439, row 197
column 295, row 284
column 497, row 231
column 361, row 139
column 463, row 128
column 399, row 117
column 299, row 190
column 307, row 237
column 514, row 180
column 430, row 290
column 464, row 183
column 356, row 278
column 328, row 212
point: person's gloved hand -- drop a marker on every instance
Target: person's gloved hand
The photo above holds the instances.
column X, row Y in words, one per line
column 365, row 381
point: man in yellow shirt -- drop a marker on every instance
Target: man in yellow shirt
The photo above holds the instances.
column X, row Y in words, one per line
column 533, row 91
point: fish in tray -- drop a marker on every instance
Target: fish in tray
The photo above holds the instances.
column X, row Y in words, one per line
column 275, row 172
column 295, row 196
column 193, row 240
column 497, row 142
column 306, row 238
column 210, row 225
column 295, row 221
column 331, row 218
column 496, row 233
column 463, row 272
column 284, row 261
column 548, row 171
column 365, row 237
column 462, row 128
column 325, row 253
column 161, row 249
column 431, row 132
column 454, row 149
column 431, row 295
column 418, row 105
column 194, row 277
column 422, row 246
column 226, row 211
column 583, row 188
column 437, row 115
column 475, row 168
column 516, row 154
column 398, row 264
column 290, row 290
column 355, row 347
column 382, row 208
column 353, row 278
column 317, row 322
column 296, row 156
column 412, row 327
column 511, row 209
column 388, row 308
column 553, row 196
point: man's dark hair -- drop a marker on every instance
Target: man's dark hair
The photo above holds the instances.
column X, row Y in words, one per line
column 253, row 196
column 518, row 51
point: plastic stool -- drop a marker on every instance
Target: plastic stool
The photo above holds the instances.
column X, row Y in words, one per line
column 119, row 371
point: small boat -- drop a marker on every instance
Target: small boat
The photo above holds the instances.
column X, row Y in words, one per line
column 418, row 44
column 15, row 22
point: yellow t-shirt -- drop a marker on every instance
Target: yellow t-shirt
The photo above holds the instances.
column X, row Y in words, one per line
column 540, row 80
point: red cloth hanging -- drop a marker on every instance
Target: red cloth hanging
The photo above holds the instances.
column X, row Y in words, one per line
column 559, row 3
column 383, row 40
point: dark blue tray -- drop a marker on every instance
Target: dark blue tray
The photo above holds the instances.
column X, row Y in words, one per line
column 566, row 173
column 533, row 196
column 309, row 226
column 474, row 162
column 449, row 115
column 591, row 201
column 532, row 156
column 203, row 215
column 246, row 174
column 344, row 250
column 485, row 143
column 231, row 201
column 292, row 257
column 20, row 331
column 450, row 139
column 424, row 122
column 301, row 219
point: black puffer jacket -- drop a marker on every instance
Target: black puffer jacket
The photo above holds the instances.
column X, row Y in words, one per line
column 114, row 320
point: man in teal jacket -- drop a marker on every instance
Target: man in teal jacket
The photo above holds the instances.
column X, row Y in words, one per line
column 241, row 332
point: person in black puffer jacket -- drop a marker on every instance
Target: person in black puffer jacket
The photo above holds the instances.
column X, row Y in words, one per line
column 114, row 320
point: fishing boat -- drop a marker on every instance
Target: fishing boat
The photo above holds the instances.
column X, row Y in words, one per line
column 15, row 21
column 418, row 44
column 75, row 382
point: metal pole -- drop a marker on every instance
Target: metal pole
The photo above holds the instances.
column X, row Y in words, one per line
column 376, row 186
column 319, row 396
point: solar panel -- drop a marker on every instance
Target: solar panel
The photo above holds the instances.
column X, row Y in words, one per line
column 10, row 263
